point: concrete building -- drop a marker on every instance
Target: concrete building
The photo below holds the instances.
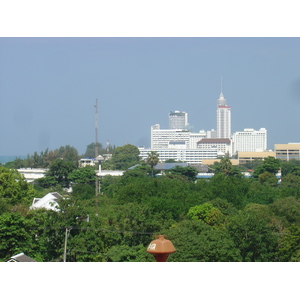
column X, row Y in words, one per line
column 178, row 120
column 235, row 162
column 248, row 157
column 169, row 138
column 191, row 156
column 223, row 146
column 288, row 151
column 223, row 118
column 32, row 174
column 249, row 140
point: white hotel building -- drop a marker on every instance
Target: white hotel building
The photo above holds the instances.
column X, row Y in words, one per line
column 249, row 140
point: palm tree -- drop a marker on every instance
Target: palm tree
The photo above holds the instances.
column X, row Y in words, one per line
column 152, row 160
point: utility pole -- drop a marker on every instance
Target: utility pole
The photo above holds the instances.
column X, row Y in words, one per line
column 68, row 229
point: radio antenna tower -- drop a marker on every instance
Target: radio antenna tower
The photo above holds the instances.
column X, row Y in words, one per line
column 96, row 154
column 96, row 130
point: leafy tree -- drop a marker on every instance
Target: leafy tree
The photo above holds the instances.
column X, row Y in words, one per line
column 261, row 193
column 225, row 167
column 287, row 208
column 47, row 182
column 224, row 206
column 18, row 163
column 195, row 241
column 142, row 170
column 16, row 235
column 14, row 189
column 123, row 158
column 289, row 246
column 290, row 166
column 264, row 212
column 83, row 191
column 253, row 237
column 85, row 175
column 270, row 164
column 290, row 185
column 253, row 164
column 207, row 213
column 189, row 172
column 231, row 188
column 90, row 150
column 58, row 173
column 125, row 253
column 268, row 178
column 171, row 160
column 69, row 154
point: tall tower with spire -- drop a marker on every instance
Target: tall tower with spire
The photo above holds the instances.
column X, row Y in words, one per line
column 223, row 118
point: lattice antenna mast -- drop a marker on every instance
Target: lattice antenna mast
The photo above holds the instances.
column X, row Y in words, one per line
column 96, row 130
column 96, row 154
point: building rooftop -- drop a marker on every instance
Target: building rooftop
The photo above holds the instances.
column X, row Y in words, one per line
column 215, row 141
column 21, row 257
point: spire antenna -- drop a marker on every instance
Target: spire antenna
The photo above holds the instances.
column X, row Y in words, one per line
column 221, row 85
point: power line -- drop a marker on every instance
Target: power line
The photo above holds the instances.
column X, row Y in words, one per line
column 94, row 229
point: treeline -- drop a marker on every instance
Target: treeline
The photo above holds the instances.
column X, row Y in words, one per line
column 68, row 153
column 228, row 218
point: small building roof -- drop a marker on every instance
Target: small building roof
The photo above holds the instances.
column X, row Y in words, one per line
column 168, row 166
column 21, row 257
column 49, row 201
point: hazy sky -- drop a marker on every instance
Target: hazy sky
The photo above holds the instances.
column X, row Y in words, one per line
column 49, row 86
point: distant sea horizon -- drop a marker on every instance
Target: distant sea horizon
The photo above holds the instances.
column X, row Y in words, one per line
column 6, row 158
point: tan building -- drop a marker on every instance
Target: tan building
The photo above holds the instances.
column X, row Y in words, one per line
column 235, row 162
column 246, row 157
column 243, row 158
column 287, row 152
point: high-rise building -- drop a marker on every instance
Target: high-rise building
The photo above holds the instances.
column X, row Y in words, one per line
column 178, row 120
column 223, row 118
column 249, row 140
column 169, row 138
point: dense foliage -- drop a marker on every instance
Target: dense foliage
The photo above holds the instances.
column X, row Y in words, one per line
column 228, row 218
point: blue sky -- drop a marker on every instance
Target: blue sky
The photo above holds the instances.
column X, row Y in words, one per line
column 49, row 86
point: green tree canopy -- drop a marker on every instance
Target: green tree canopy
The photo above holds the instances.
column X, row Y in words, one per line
column 85, row 175
column 13, row 187
column 207, row 213
column 253, row 237
column 16, row 235
column 270, row 164
column 287, row 208
column 123, row 158
column 188, row 172
column 225, row 167
column 289, row 246
column 195, row 241
column 58, row 173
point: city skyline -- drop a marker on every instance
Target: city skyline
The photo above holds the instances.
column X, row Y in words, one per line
column 49, row 86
